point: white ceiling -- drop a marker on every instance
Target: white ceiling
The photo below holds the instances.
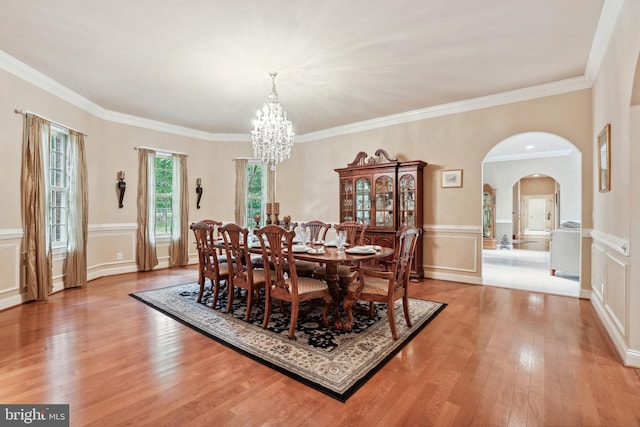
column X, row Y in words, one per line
column 204, row 64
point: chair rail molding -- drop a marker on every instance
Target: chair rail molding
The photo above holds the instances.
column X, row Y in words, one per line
column 618, row 244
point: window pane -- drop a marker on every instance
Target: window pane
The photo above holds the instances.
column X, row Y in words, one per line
column 164, row 178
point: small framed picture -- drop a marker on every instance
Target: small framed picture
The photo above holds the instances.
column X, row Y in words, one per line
column 452, row 178
column 604, row 159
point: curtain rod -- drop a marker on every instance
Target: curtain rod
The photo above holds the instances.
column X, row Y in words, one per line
column 161, row 150
column 25, row 112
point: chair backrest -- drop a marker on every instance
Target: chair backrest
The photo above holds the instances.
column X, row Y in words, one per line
column 238, row 259
column 407, row 239
column 207, row 253
column 215, row 231
column 275, row 256
column 317, row 229
column 355, row 232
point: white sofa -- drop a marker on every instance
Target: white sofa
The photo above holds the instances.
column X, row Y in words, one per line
column 564, row 247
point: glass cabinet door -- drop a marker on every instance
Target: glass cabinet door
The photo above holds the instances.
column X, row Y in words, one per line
column 407, row 205
column 346, row 200
column 384, row 201
column 363, row 201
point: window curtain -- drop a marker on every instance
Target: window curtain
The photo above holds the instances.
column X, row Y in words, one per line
column 146, row 256
column 241, row 191
column 75, row 264
column 179, row 248
column 36, row 248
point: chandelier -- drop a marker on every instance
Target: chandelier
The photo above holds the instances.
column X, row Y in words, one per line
column 272, row 135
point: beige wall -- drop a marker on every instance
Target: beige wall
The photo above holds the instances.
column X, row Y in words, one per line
column 615, row 267
column 452, row 217
column 536, row 186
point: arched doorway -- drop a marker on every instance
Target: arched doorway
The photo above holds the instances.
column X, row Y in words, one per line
column 527, row 156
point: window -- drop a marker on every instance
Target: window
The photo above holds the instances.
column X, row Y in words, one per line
column 58, row 185
column 164, row 197
column 256, row 191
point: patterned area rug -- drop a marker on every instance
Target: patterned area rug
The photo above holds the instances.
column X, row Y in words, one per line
column 333, row 362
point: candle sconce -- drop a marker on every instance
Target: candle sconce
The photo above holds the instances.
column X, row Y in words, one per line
column 199, row 191
column 121, row 186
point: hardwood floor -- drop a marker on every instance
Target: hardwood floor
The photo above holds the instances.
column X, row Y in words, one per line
column 493, row 357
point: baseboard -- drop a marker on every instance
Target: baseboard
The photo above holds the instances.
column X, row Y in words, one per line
column 11, row 301
column 453, row 277
column 95, row 272
column 628, row 356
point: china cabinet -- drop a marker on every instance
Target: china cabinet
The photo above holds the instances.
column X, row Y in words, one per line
column 386, row 195
column 488, row 217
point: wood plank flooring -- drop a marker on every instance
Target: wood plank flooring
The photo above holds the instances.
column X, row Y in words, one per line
column 493, row 357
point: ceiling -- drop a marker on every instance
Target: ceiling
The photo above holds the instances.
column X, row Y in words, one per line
column 204, row 64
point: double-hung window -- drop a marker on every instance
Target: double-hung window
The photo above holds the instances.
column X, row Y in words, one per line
column 58, row 185
column 256, row 192
column 164, row 195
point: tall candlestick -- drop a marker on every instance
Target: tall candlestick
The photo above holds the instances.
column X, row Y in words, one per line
column 269, row 208
column 276, row 208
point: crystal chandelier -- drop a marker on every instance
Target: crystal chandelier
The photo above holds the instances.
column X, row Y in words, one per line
column 272, row 135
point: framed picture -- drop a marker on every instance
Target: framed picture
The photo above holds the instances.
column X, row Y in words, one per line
column 604, row 159
column 452, row 178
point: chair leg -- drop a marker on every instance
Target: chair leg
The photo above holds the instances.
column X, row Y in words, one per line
column 230, row 296
column 216, row 291
column 201, row 291
column 247, row 315
column 267, row 310
column 405, row 306
column 392, row 322
column 294, row 320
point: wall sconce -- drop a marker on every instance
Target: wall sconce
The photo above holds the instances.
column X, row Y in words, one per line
column 121, row 186
column 198, row 192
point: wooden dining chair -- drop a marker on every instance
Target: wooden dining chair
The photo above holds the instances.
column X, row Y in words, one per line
column 287, row 287
column 355, row 237
column 242, row 275
column 216, row 236
column 386, row 286
column 210, row 267
column 316, row 230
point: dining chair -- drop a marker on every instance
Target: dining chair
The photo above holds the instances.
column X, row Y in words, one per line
column 210, row 267
column 216, row 236
column 242, row 275
column 316, row 230
column 287, row 287
column 355, row 237
column 386, row 286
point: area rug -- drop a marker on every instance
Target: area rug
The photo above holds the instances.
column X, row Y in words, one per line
column 333, row 362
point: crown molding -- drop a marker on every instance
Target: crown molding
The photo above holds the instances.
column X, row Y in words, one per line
column 36, row 78
column 525, row 94
column 607, row 23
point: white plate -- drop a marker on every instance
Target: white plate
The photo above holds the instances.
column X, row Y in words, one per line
column 333, row 243
column 300, row 248
column 361, row 250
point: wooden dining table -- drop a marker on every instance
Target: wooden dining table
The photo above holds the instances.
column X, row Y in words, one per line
column 331, row 257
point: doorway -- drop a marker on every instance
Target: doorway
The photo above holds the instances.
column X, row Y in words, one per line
column 528, row 171
column 535, row 214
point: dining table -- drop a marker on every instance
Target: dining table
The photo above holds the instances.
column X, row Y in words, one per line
column 331, row 257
